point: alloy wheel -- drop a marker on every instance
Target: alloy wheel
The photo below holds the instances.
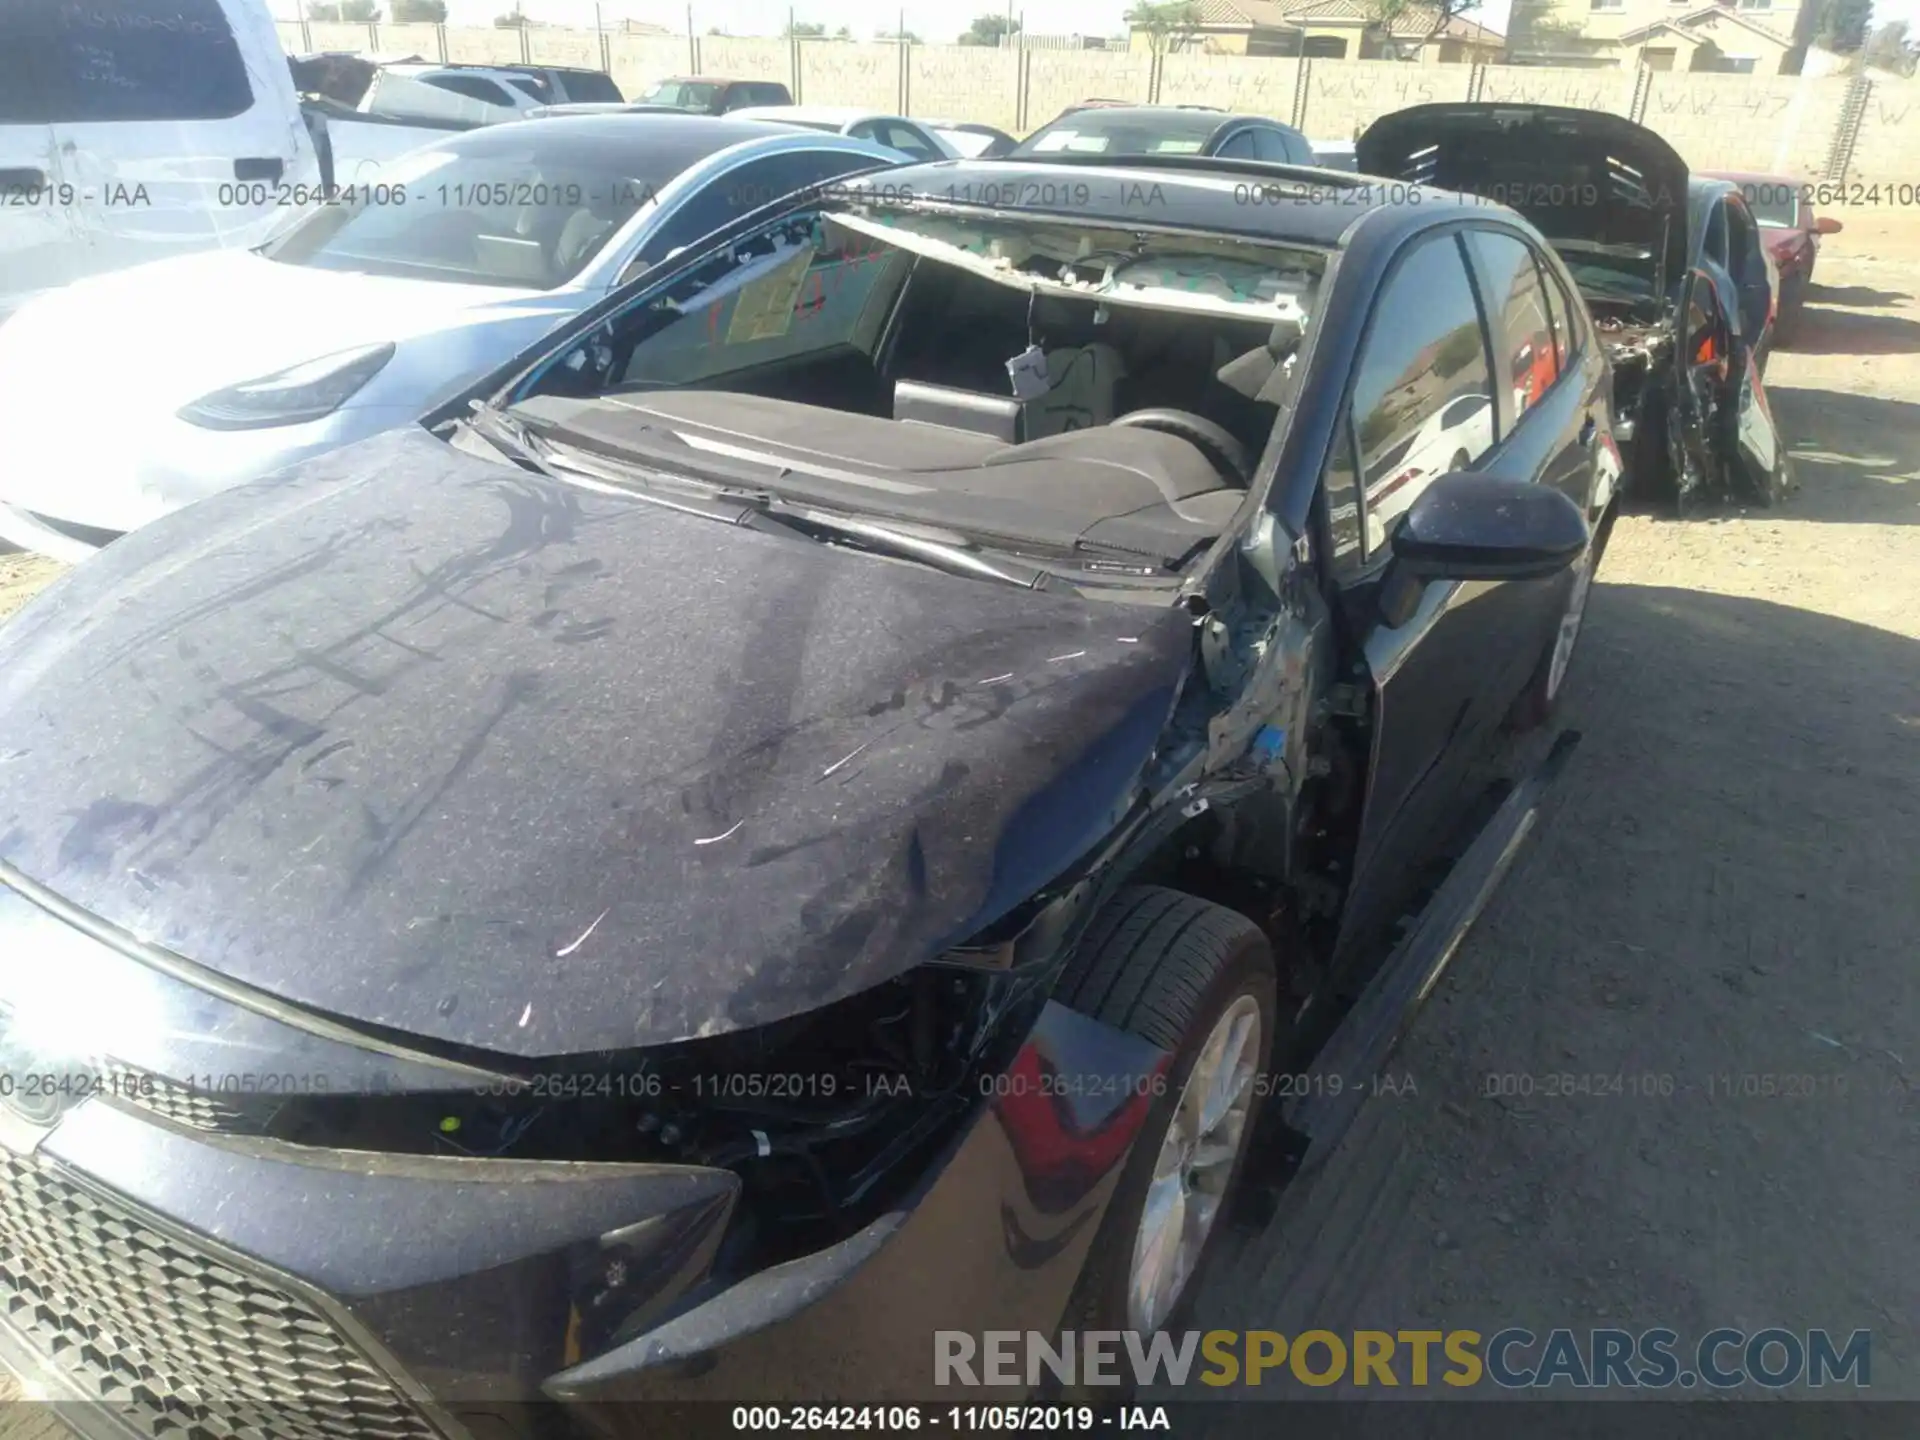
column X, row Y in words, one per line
column 1195, row 1164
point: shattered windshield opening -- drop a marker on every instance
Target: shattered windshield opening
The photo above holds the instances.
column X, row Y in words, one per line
column 954, row 370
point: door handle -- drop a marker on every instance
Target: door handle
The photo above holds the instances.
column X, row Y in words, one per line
column 1587, row 433
column 259, row 167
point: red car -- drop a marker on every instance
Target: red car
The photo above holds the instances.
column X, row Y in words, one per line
column 1791, row 233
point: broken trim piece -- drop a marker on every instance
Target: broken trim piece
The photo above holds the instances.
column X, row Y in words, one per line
column 1287, row 307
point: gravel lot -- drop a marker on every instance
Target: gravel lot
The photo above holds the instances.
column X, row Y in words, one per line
column 1724, row 886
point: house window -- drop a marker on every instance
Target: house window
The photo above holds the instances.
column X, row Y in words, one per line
column 1607, row 4
column 1756, row 4
column 1325, row 47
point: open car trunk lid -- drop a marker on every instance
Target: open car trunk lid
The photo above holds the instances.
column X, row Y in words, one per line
column 1585, row 178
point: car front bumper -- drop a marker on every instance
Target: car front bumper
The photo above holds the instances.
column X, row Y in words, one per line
column 157, row 1270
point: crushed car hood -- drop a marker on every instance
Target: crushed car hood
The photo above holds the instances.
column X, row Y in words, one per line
column 1581, row 175
column 446, row 747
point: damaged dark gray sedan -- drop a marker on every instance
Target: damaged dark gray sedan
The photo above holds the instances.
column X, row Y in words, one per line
column 812, row 810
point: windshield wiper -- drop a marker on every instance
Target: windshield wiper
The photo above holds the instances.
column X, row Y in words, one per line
column 885, row 539
column 760, row 508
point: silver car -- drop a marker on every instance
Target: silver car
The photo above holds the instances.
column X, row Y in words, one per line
column 356, row 317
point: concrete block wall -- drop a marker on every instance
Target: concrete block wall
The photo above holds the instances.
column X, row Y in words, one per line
column 964, row 82
column 1059, row 78
column 1766, row 123
column 1343, row 97
column 1793, row 125
column 849, row 72
column 1886, row 151
column 1233, row 82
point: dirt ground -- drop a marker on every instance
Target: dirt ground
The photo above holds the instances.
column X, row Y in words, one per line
column 1724, row 886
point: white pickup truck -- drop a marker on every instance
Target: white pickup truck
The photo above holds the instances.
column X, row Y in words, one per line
column 134, row 130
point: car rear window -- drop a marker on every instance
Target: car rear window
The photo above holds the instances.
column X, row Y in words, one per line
column 591, row 87
column 128, row 61
column 685, row 94
column 1097, row 132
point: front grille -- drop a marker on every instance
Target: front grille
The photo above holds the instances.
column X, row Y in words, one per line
column 175, row 1340
column 179, row 1103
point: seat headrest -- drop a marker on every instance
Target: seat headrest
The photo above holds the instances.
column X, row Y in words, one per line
column 1253, row 374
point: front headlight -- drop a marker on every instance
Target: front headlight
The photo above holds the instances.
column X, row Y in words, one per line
column 299, row 393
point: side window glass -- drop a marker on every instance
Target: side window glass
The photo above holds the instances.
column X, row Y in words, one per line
column 1424, row 351
column 1519, row 318
column 1716, row 238
column 1340, row 482
column 1556, row 317
column 1568, row 317
column 1240, row 147
column 910, row 141
column 740, row 192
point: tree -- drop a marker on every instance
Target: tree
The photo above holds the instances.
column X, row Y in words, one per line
column 420, row 12
column 1395, row 22
column 1841, row 25
column 843, row 33
column 352, row 12
column 805, row 30
column 1169, row 24
column 989, row 30
column 720, row 31
column 513, row 20
column 902, row 35
column 1889, row 49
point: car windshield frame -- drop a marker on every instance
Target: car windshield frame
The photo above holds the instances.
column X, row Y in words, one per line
column 680, row 300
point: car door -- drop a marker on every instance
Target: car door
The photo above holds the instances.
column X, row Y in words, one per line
column 1425, row 654
column 1725, row 429
column 1753, row 280
column 173, row 127
column 732, row 194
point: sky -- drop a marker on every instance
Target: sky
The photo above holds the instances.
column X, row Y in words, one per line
column 932, row 20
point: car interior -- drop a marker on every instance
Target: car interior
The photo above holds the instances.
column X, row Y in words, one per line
column 956, row 391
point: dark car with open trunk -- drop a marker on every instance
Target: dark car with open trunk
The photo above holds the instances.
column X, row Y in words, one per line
column 1671, row 264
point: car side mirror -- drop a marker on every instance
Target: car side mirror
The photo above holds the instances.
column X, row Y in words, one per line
column 1827, row 225
column 1478, row 527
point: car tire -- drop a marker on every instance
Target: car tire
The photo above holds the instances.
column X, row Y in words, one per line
column 1199, row 981
column 1536, row 704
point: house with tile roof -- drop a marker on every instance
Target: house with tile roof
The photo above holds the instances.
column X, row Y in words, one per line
column 1329, row 29
column 1756, row 37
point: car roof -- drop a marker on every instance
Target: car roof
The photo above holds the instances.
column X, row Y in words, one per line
column 673, row 141
column 1187, row 192
column 840, row 114
column 715, row 80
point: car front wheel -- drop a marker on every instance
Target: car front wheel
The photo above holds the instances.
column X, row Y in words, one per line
column 1199, row 981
